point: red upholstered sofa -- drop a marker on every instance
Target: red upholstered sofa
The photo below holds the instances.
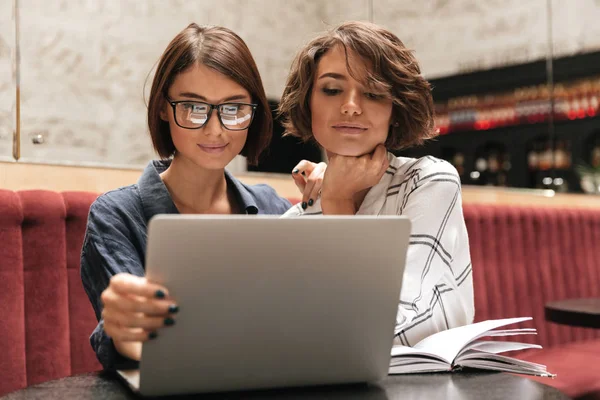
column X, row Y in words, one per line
column 46, row 316
column 522, row 258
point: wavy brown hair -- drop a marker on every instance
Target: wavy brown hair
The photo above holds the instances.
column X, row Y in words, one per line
column 222, row 50
column 391, row 65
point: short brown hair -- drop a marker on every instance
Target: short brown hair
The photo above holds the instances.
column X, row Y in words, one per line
column 393, row 66
column 222, row 50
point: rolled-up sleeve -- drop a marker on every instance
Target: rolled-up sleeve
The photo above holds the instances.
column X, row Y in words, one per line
column 108, row 249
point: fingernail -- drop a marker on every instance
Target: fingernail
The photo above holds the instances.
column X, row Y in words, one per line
column 310, row 202
column 159, row 294
column 152, row 335
column 304, row 205
column 173, row 309
column 169, row 321
column 295, row 171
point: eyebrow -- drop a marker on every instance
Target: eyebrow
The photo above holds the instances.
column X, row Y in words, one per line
column 339, row 76
column 333, row 75
column 200, row 97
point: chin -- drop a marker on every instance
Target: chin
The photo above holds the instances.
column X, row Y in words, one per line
column 208, row 163
column 346, row 146
column 350, row 151
column 212, row 161
column 213, row 164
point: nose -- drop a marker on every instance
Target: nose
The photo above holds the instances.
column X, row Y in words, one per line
column 213, row 126
column 351, row 103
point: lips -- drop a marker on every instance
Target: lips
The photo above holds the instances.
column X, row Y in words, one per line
column 213, row 148
column 350, row 128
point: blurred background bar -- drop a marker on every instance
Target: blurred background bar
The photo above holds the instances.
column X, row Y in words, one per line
column 516, row 84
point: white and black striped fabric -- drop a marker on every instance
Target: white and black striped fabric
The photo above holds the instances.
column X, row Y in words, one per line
column 437, row 290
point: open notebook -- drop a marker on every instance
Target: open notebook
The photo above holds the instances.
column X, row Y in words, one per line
column 463, row 347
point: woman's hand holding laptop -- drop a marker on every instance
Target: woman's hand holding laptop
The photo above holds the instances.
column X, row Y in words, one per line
column 134, row 309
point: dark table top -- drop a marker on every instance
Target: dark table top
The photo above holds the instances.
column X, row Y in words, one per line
column 575, row 312
column 458, row 385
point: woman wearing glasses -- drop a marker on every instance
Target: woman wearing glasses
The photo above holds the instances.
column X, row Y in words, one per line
column 207, row 105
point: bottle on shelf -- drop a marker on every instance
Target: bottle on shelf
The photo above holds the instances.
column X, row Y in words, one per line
column 493, row 168
column 458, row 160
column 524, row 105
column 504, row 169
column 560, row 155
column 594, row 108
column 546, row 157
column 493, row 162
column 533, row 157
column 561, row 102
column 479, row 175
column 595, row 159
column 568, row 157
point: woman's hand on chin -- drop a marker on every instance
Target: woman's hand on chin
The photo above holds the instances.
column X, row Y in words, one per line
column 346, row 177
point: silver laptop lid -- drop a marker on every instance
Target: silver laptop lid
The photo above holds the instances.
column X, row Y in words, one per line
column 269, row 302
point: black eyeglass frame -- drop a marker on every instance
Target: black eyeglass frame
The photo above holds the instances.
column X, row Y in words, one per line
column 210, row 112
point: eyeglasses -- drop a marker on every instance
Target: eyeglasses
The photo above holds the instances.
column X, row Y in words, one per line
column 194, row 115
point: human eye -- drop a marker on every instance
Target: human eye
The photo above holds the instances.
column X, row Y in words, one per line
column 195, row 108
column 375, row 96
column 230, row 109
column 330, row 91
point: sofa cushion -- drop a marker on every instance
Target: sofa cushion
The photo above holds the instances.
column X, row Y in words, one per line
column 12, row 329
column 45, row 282
column 577, row 366
column 41, row 296
column 82, row 320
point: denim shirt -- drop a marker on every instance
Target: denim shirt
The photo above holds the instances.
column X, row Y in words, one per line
column 115, row 239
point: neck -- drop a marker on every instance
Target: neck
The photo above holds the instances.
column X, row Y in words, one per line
column 195, row 189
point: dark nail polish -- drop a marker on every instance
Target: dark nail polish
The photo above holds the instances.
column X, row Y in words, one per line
column 159, row 294
column 310, row 202
column 295, row 171
column 304, row 205
column 152, row 335
column 173, row 309
column 169, row 321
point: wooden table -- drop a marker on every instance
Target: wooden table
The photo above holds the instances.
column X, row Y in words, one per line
column 459, row 385
column 575, row 312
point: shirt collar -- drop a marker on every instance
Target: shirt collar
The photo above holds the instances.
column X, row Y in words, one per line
column 245, row 199
column 156, row 199
column 376, row 196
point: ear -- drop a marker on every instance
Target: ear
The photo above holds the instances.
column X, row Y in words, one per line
column 164, row 114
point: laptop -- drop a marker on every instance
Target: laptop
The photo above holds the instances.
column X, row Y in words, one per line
column 267, row 302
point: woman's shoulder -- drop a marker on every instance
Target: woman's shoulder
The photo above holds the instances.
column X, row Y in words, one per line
column 126, row 199
column 423, row 167
column 425, row 181
column 115, row 215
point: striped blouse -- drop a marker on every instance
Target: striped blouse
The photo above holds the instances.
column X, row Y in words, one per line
column 437, row 289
